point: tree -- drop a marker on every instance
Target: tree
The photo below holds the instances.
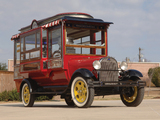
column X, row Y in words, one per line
column 3, row 66
column 154, row 74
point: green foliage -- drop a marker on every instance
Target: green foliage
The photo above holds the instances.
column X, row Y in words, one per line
column 150, row 72
column 14, row 96
column 9, row 96
column 40, row 98
column 154, row 74
column 3, row 66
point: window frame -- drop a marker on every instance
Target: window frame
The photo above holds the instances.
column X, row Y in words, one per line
column 50, row 30
column 37, row 31
column 15, row 51
column 103, row 40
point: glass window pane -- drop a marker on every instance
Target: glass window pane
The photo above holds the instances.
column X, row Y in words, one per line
column 50, row 45
column 27, row 56
column 35, row 54
column 98, row 35
column 38, row 40
column 22, row 42
column 22, row 56
column 30, row 42
column 85, row 50
column 30, row 46
column 55, row 43
column 87, row 41
column 44, row 43
column 17, row 51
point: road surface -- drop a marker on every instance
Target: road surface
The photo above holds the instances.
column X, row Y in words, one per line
column 100, row 110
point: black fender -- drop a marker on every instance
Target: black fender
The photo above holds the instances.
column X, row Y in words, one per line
column 133, row 73
column 31, row 84
column 85, row 73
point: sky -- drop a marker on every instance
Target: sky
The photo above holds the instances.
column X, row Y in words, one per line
column 136, row 23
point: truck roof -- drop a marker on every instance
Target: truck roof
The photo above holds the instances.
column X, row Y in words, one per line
column 56, row 17
column 71, row 16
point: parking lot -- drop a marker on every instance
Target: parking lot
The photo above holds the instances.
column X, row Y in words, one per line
column 100, row 110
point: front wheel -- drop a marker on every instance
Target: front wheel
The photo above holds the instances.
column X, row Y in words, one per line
column 82, row 95
column 132, row 96
column 27, row 98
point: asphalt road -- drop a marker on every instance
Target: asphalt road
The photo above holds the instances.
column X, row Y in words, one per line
column 100, row 110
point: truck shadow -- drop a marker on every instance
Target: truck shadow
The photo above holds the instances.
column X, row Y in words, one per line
column 54, row 104
column 41, row 105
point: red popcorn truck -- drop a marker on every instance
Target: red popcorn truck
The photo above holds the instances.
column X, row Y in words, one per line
column 67, row 55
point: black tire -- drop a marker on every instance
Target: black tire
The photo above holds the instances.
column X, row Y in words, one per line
column 69, row 101
column 27, row 98
column 82, row 95
column 132, row 98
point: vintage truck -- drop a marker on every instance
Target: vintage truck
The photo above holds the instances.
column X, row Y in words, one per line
column 67, row 55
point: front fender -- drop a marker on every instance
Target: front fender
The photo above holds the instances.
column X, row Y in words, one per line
column 133, row 73
column 84, row 72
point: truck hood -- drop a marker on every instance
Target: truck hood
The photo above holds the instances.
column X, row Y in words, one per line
column 77, row 63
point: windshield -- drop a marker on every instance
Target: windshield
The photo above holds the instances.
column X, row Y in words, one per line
column 85, row 39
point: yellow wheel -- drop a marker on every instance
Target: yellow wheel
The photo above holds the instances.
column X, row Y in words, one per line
column 27, row 98
column 132, row 96
column 82, row 95
column 80, row 91
column 26, row 94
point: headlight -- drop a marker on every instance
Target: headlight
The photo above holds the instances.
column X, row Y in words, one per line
column 123, row 65
column 96, row 64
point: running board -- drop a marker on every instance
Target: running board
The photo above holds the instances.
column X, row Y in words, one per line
column 47, row 93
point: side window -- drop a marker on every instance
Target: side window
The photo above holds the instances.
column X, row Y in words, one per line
column 22, row 48
column 38, row 40
column 85, row 41
column 17, row 52
column 54, row 49
column 30, row 42
column 22, row 42
column 30, row 46
column 44, row 43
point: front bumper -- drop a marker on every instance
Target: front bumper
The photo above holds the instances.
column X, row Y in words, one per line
column 117, row 83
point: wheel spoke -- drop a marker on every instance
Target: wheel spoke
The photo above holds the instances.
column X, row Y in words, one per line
column 26, row 94
column 130, row 98
column 80, row 91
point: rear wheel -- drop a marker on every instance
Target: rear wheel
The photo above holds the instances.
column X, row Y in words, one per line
column 132, row 96
column 82, row 95
column 27, row 98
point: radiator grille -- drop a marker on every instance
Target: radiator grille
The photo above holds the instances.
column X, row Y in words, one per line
column 109, row 69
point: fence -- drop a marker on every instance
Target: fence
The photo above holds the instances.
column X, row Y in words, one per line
column 7, row 81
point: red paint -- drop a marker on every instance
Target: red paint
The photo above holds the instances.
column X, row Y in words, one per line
column 80, row 62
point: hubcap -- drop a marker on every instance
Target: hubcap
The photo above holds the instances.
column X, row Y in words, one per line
column 80, row 91
column 26, row 94
column 130, row 97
